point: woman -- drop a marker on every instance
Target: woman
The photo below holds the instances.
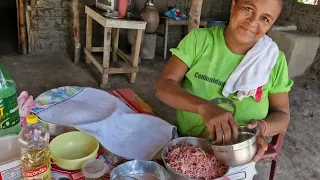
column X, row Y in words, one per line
column 194, row 77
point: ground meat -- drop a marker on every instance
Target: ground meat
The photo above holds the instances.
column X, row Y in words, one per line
column 194, row 162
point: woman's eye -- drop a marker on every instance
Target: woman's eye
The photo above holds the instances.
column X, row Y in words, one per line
column 247, row 9
column 265, row 19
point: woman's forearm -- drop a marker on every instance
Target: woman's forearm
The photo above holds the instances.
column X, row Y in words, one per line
column 171, row 93
column 277, row 122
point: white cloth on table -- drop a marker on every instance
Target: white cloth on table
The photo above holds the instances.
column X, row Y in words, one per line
column 118, row 128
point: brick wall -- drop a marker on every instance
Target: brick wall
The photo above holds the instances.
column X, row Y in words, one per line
column 51, row 21
column 50, row 25
column 307, row 19
column 218, row 9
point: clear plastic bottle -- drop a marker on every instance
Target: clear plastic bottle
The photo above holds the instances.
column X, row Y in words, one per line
column 9, row 113
column 35, row 155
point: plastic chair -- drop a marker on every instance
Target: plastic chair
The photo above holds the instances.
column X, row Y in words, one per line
column 273, row 153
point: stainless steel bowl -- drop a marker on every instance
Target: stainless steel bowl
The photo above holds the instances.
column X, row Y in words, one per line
column 140, row 170
column 240, row 152
column 200, row 143
column 55, row 129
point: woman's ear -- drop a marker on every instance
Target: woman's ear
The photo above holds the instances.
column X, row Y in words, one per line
column 232, row 5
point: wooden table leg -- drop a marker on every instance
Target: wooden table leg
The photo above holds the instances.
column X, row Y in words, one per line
column 165, row 44
column 136, row 53
column 106, row 55
column 115, row 43
column 89, row 36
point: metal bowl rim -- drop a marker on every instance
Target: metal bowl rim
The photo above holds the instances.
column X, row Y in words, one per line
column 173, row 171
column 237, row 146
column 128, row 162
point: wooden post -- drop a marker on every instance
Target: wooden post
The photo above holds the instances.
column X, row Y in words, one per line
column 115, row 44
column 194, row 14
column 106, row 56
column 135, row 54
column 18, row 25
column 89, row 37
column 22, row 28
column 76, row 31
column 166, row 31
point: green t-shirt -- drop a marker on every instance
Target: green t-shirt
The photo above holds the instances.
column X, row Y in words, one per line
column 210, row 64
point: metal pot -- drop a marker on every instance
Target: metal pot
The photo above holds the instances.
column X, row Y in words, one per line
column 139, row 169
column 55, row 129
column 240, row 152
column 200, row 143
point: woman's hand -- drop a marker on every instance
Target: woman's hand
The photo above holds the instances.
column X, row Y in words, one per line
column 262, row 144
column 219, row 122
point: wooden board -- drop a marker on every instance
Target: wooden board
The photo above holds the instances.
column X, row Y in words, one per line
column 22, row 28
column 18, row 26
column 124, row 57
column 76, row 30
column 113, row 23
column 122, row 70
column 93, row 60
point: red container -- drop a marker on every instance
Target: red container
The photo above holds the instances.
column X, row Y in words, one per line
column 123, row 7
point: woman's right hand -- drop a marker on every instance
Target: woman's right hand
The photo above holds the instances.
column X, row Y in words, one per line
column 220, row 122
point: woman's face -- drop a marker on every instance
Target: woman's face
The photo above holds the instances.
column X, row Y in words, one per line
column 251, row 19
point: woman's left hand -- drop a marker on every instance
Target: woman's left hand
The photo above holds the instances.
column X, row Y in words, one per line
column 262, row 144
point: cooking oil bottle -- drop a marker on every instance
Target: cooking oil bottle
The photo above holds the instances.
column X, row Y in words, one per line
column 9, row 113
column 35, row 155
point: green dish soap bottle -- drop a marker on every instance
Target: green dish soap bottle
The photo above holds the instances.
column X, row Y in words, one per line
column 9, row 111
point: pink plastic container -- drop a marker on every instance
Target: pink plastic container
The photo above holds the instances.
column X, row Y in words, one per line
column 123, row 7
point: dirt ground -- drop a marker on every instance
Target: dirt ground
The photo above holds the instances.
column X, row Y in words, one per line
column 299, row 159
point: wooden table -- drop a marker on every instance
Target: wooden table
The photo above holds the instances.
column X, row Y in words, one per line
column 172, row 22
column 111, row 34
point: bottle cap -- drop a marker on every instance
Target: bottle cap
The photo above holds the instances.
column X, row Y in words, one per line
column 32, row 119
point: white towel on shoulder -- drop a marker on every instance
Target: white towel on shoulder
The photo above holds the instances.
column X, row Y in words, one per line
column 254, row 69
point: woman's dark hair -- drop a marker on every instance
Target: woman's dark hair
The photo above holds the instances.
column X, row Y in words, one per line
column 282, row 2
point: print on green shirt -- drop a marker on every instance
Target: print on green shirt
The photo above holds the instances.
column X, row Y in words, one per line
column 210, row 64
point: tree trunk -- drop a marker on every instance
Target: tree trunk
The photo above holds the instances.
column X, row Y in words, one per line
column 194, row 14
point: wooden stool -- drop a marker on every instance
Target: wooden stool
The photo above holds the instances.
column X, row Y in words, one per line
column 172, row 22
column 111, row 33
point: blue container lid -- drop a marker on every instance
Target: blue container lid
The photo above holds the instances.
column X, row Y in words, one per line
column 214, row 22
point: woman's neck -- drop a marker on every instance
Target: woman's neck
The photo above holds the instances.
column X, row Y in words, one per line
column 233, row 45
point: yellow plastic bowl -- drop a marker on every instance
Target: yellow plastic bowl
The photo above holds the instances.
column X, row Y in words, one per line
column 71, row 150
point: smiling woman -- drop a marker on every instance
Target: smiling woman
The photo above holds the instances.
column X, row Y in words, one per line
column 207, row 60
column 249, row 21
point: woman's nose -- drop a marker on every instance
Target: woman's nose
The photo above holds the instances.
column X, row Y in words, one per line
column 253, row 20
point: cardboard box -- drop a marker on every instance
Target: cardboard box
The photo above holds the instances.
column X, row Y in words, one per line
column 10, row 163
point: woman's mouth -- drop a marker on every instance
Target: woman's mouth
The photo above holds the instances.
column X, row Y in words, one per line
column 247, row 30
